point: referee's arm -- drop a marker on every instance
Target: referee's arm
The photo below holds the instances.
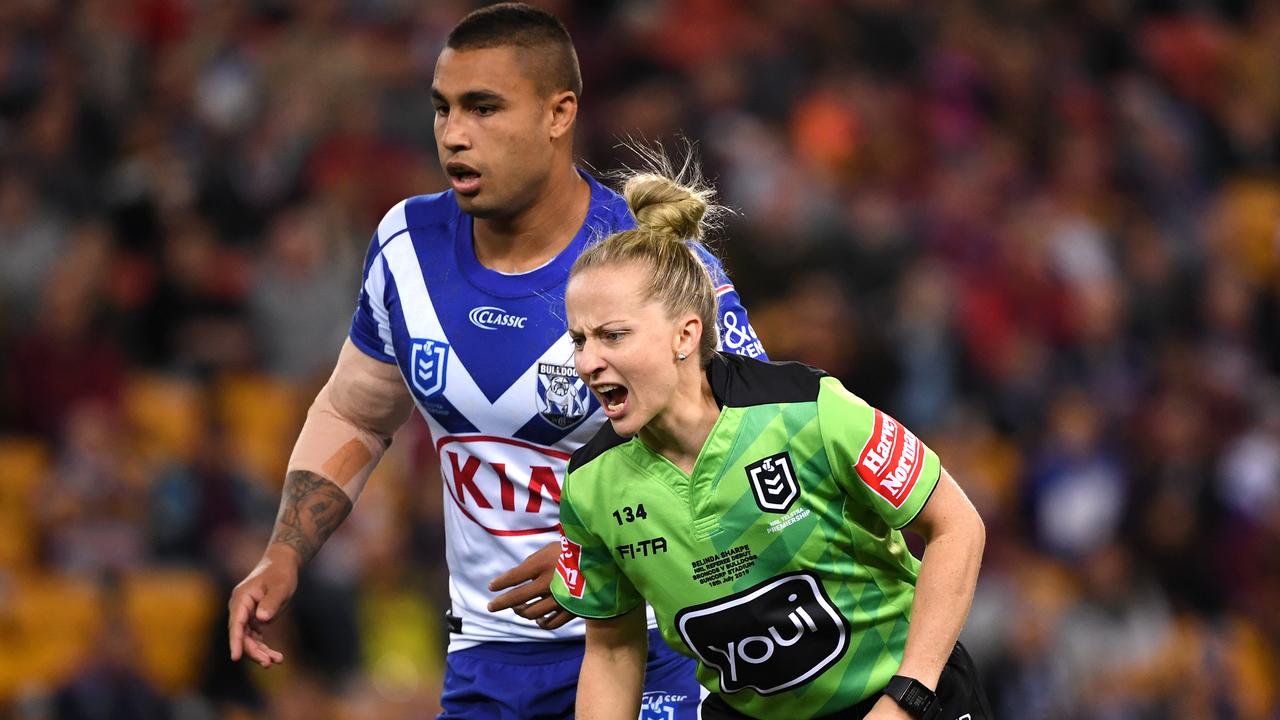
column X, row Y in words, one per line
column 612, row 676
column 954, row 539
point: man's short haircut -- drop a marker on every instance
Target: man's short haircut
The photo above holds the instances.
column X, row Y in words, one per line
column 524, row 26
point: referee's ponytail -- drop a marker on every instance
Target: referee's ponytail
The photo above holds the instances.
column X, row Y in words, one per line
column 673, row 209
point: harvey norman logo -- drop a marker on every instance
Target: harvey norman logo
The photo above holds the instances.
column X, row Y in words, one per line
column 487, row 317
column 891, row 461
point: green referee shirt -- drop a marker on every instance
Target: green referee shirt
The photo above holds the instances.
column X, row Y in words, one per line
column 778, row 564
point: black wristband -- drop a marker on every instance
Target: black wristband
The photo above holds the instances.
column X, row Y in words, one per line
column 911, row 695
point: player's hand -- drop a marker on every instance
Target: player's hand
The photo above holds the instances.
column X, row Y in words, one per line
column 257, row 600
column 887, row 709
column 531, row 597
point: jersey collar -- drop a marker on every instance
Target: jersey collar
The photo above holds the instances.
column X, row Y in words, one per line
column 601, row 219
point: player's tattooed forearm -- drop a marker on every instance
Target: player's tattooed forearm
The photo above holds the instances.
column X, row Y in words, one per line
column 310, row 510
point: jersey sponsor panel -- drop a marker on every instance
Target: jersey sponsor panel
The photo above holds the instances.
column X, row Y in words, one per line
column 891, row 461
column 568, row 566
column 878, row 459
column 506, row 487
column 489, row 317
column 737, row 335
column 770, row 637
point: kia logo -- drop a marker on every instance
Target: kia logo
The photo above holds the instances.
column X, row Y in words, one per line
column 487, row 317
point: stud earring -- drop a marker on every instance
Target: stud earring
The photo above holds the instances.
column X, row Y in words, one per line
column 682, row 356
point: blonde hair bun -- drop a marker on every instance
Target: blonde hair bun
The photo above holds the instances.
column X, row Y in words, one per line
column 673, row 208
column 665, row 206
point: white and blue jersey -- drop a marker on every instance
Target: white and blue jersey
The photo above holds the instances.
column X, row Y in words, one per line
column 488, row 360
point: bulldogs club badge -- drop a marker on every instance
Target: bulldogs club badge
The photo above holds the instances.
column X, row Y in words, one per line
column 563, row 399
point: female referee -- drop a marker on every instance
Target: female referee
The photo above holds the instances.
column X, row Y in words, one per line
column 758, row 508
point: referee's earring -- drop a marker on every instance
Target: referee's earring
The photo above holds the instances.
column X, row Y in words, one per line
column 682, row 356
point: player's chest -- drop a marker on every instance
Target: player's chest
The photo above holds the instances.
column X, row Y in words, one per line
column 515, row 379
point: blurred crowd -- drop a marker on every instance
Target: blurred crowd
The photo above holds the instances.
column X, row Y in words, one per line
column 1045, row 235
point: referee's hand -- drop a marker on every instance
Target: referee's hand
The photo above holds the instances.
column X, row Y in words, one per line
column 530, row 595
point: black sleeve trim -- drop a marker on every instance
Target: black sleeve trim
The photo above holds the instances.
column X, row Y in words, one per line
column 738, row 381
column 604, row 617
column 605, row 439
column 920, row 509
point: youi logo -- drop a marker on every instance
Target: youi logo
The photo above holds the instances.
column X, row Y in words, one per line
column 488, row 317
column 774, row 636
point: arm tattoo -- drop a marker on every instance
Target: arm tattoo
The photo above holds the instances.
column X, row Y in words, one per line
column 310, row 510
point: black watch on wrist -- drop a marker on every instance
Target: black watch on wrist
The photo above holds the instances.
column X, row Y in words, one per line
column 911, row 695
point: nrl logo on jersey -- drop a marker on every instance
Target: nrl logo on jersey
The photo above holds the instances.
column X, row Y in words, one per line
column 773, row 483
column 563, row 399
column 428, row 362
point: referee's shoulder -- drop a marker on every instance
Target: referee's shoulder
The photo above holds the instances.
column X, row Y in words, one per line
column 740, row 381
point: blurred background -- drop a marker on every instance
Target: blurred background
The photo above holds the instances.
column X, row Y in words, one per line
column 1044, row 234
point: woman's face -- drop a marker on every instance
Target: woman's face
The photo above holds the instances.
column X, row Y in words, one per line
column 626, row 347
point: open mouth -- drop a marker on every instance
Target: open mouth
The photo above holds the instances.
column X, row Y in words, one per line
column 465, row 179
column 614, row 396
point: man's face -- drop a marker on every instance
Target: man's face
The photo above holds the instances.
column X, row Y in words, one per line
column 493, row 129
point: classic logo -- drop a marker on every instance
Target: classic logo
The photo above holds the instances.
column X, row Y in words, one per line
column 891, row 461
column 774, row 636
column 429, row 360
column 487, row 317
column 514, row 491
column 567, row 566
column 563, row 399
column 773, row 483
column 659, row 705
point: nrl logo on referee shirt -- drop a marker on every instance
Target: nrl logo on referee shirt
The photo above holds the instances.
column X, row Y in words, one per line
column 487, row 317
column 773, row 483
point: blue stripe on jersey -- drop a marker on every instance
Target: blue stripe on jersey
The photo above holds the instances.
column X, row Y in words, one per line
column 444, row 412
column 449, row 417
column 361, row 336
column 541, row 432
column 364, row 325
